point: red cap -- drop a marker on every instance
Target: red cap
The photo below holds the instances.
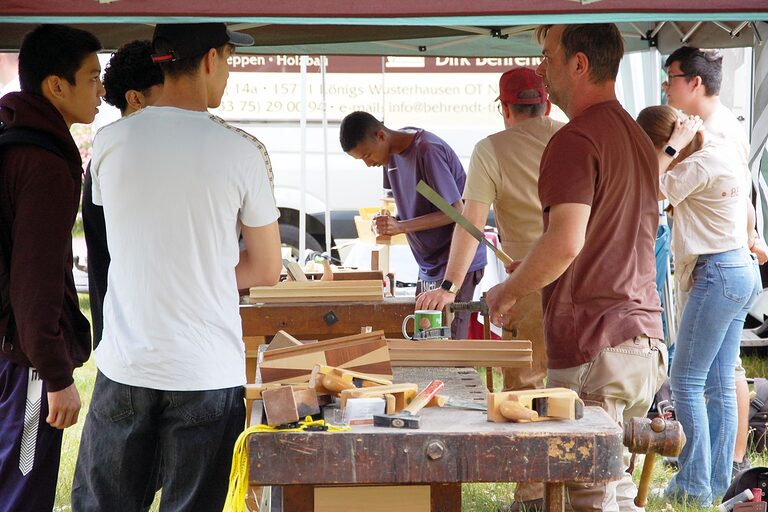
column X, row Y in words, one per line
column 514, row 81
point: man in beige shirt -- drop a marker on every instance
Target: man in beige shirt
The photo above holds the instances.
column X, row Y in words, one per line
column 504, row 172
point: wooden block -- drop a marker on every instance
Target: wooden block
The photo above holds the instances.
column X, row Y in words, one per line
column 515, row 354
column 318, row 291
column 364, row 353
column 294, row 270
column 402, row 498
column 306, row 403
column 556, row 403
column 380, row 258
column 401, row 394
column 281, row 340
column 280, row 406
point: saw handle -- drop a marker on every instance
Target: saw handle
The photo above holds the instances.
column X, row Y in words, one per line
column 423, row 398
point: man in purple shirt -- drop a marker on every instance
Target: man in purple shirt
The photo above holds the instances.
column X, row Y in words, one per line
column 408, row 156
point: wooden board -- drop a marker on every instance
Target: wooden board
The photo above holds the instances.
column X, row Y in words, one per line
column 281, row 340
column 404, row 498
column 319, row 291
column 509, row 354
column 322, row 321
column 365, row 353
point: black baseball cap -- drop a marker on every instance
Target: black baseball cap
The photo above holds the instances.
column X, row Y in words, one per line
column 189, row 40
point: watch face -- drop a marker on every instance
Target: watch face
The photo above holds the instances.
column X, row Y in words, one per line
column 670, row 151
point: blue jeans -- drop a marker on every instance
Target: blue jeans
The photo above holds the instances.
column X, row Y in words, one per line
column 702, row 378
column 128, row 427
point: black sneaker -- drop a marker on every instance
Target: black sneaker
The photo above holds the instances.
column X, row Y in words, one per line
column 738, row 467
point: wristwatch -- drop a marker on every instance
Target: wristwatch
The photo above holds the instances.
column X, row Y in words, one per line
column 449, row 286
column 670, row 151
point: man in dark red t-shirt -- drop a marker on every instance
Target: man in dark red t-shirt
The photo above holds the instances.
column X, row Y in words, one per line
column 598, row 188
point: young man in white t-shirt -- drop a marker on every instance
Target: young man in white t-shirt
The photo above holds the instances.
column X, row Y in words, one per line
column 693, row 86
column 177, row 185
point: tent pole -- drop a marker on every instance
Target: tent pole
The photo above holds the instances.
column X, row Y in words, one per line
column 325, row 160
column 303, row 167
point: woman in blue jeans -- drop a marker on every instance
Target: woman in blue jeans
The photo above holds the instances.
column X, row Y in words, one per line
column 701, row 177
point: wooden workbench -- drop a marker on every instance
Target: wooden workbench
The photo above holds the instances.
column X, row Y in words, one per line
column 324, row 320
column 452, row 446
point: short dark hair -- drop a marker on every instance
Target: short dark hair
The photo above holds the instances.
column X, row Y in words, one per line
column 707, row 64
column 53, row 50
column 180, row 67
column 600, row 42
column 130, row 68
column 529, row 110
column 357, row 127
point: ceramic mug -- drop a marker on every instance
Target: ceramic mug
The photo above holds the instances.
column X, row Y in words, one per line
column 423, row 319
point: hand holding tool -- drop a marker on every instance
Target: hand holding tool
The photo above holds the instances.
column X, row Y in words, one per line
column 407, row 418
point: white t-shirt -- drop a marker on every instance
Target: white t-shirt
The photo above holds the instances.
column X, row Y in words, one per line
column 174, row 184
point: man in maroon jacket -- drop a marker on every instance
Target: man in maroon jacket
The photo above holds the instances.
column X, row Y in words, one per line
column 47, row 337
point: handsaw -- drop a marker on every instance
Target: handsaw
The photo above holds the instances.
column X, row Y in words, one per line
column 452, row 213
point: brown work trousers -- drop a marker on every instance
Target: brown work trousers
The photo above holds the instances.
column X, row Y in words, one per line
column 623, row 381
column 526, row 324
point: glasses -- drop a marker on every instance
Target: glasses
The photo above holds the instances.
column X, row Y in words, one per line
column 498, row 107
column 670, row 77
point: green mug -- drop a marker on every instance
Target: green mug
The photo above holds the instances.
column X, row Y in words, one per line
column 423, row 320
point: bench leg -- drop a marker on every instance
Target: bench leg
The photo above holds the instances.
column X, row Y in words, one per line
column 445, row 497
column 554, row 496
column 298, row 498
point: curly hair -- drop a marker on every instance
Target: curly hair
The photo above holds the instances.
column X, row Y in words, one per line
column 130, row 68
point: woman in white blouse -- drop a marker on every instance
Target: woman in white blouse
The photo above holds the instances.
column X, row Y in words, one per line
column 716, row 272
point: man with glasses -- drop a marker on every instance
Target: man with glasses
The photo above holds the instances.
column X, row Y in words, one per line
column 693, row 84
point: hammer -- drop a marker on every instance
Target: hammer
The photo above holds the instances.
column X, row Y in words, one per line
column 407, row 417
column 650, row 437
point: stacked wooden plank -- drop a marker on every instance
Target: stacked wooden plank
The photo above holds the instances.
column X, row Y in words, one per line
column 510, row 354
column 364, row 353
column 319, row 291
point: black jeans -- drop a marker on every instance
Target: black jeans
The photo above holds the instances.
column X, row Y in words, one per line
column 128, row 427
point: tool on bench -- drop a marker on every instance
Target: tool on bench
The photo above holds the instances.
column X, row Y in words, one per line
column 396, row 396
column 407, row 418
column 452, row 213
column 642, row 435
column 535, row 405
column 331, row 380
column 449, row 401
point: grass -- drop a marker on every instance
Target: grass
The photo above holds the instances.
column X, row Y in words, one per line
column 475, row 497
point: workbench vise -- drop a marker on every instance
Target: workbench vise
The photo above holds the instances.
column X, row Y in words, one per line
column 649, row 437
column 475, row 306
